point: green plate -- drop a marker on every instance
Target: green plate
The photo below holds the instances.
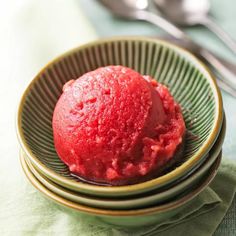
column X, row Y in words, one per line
column 138, row 202
column 190, row 82
column 133, row 217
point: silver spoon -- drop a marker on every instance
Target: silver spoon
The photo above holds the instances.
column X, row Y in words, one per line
column 139, row 10
column 193, row 12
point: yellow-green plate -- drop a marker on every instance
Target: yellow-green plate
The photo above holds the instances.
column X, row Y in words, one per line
column 131, row 218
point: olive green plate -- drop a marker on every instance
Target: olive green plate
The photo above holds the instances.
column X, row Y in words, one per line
column 190, row 82
column 137, row 202
column 133, row 217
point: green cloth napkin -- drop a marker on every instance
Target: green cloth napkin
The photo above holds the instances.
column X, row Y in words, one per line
column 33, row 214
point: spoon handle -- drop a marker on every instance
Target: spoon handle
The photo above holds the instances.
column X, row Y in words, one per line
column 161, row 23
column 222, row 35
column 183, row 44
column 226, row 73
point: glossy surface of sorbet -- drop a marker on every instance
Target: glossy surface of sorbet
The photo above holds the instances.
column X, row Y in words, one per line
column 115, row 126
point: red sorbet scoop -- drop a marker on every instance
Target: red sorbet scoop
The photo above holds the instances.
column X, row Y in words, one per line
column 110, row 124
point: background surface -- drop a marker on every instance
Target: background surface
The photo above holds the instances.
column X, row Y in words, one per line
column 33, row 32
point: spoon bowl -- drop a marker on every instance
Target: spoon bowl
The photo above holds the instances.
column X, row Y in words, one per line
column 128, row 9
column 190, row 13
column 184, row 12
column 136, row 4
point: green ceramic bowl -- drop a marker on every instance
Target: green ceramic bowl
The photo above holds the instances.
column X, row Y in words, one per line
column 190, row 82
column 137, row 202
column 131, row 218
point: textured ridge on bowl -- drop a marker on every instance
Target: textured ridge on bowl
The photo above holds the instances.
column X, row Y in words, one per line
column 188, row 80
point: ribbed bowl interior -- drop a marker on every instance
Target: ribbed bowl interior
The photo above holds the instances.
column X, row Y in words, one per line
column 185, row 79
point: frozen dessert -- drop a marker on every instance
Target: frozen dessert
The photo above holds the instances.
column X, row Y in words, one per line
column 115, row 126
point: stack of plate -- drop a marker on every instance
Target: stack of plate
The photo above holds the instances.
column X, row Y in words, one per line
column 140, row 204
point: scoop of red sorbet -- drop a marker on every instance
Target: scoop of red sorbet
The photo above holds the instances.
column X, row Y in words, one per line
column 115, row 126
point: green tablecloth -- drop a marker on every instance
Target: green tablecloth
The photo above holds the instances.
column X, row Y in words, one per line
column 34, row 32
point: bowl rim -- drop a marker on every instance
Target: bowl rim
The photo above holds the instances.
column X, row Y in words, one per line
column 214, row 153
column 118, row 213
column 150, row 184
